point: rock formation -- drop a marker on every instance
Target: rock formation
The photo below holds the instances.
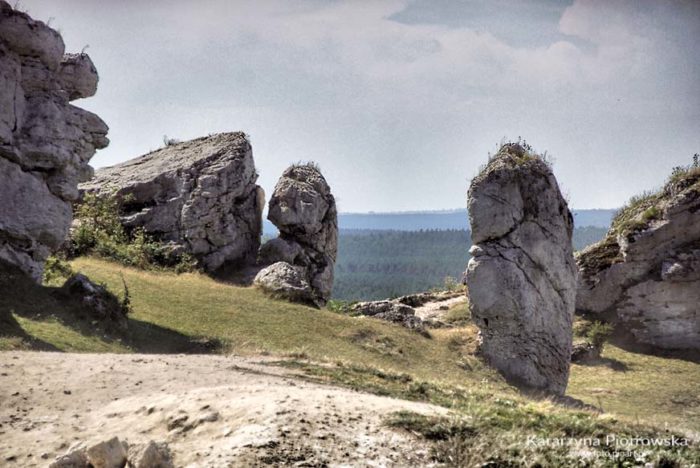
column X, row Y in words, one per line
column 522, row 275
column 303, row 257
column 199, row 196
column 45, row 142
column 645, row 274
column 113, row 453
column 391, row 311
column 414, row 311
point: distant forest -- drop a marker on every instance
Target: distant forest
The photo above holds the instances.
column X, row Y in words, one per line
column 378, row 264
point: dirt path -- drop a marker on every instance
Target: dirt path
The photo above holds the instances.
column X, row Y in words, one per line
column 435, row 310
column 212, row 411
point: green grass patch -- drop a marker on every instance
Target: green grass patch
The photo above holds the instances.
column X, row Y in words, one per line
column 492, row 424
column 458, row 315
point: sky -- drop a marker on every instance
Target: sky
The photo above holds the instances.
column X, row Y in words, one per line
column 401, row 101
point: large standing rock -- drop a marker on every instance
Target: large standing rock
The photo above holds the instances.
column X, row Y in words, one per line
column 645, row 274
column 199, row 195
column 522, row 276
column 303, row 256
column 45, row 143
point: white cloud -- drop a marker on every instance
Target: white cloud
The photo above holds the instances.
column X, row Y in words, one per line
column 406, row 111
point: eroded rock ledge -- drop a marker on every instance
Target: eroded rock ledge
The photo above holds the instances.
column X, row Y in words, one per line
column 45, row 142
column 522, row 276
column 645, row 274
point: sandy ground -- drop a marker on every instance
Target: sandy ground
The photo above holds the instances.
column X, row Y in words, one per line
column 437, row 309
column 212, row 410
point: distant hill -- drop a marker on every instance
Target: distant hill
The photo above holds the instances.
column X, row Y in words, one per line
column 376, row 264
column 447, row 219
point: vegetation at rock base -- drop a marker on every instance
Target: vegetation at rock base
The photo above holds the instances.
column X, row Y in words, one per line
column 99, row 231
column 371, row 264
column 489, row 420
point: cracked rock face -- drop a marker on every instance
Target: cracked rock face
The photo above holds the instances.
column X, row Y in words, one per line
column 200, row 196
column 647, row 279
column 522, row 275
column 45, row 142
column 303, row 209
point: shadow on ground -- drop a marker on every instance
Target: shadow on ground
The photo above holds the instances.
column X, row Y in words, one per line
column 21, row 297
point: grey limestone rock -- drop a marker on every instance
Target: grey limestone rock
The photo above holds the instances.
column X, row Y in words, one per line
column 45, row 142
column 303, row 209
column 522, row 275
column 645, row 274
column 198, row 196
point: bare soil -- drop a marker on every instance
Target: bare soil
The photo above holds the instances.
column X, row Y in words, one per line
column 212, row 410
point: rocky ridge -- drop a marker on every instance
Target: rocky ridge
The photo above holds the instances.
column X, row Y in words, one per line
column 521, row 278
column 45, row 142
column 645, row 275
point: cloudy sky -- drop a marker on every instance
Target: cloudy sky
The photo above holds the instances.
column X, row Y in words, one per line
column 400, row 101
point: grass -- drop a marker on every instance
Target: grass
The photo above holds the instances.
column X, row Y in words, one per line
column 458, row 315
column 641, row 387
column 181, row 310
column 488, row 424
column 641, row 394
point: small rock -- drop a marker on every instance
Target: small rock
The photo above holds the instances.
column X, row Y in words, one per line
column 75, row 458
column 109, row 454
column 150, row 455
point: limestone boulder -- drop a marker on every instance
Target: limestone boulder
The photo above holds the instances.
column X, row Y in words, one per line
column 521, row 279
column 45, row 142
column 303, row 209
column 286, row 281
column 198, row 196
column 111, row 453
column 644, row 275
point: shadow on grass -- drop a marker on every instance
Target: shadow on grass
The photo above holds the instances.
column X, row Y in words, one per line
column 20, row 296
column 145, row 337
column 624, row 340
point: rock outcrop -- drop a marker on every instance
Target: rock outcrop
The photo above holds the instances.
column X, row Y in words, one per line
column 645, row 275
column 414, row 311
column 113, row 453
column 101, row 306
column 199, row 196
column 522, row 275
column 301, row 260
column 45, row 142
column 391, row 311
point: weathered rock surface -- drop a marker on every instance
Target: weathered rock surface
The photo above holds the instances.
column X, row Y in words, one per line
column 200, row 196
column 645, row 275
column 113, row 453
column 391, row 311
column 414, row 311
column 45, row 142
column 150, row 455
column 303, row 209
column 522, row 275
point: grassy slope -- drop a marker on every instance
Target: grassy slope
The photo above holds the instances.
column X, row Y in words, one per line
column 193, row 306
column 172, row 311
